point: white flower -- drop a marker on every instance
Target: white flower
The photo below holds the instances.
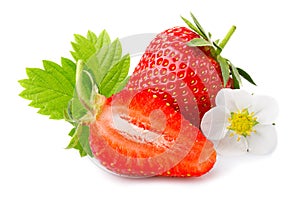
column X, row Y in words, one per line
column 241, row 123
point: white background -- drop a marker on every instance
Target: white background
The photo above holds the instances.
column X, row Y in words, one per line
column 37, row 172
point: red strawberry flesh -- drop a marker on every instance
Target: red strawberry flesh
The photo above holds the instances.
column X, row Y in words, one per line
column 138, row 134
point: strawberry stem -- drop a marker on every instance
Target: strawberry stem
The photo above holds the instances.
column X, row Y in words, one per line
column 84, row 86
column 225, row 40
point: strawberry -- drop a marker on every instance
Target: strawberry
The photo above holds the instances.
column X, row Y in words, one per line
column 139, row 134
column 184, row 68
column 139, row 131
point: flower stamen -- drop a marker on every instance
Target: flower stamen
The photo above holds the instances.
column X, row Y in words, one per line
column 242, row 123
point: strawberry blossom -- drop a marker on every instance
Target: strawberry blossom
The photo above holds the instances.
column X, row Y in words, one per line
column 241, row 123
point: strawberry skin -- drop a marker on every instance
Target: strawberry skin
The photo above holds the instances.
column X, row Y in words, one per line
column 138, row 134
column 187, row 78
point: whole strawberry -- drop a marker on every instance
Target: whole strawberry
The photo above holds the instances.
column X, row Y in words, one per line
column 184, row 67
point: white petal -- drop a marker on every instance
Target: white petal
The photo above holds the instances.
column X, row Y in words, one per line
column 265, row 109
column 230, row 146
column 215, row 122
column 264, row 141
column 233, row 99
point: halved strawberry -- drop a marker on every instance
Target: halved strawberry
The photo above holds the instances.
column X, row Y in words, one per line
column 138, row 134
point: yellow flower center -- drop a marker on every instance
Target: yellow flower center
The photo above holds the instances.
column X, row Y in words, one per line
column 242, row 123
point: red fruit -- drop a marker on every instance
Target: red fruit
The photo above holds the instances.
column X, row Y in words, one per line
column 141, row 135
column 188, row 78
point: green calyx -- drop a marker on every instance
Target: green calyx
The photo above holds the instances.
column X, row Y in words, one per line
column 216, row 47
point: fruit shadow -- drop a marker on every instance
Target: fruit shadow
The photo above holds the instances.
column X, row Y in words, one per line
column 223, row 167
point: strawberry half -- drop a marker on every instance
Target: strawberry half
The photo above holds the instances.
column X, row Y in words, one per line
column 184, row 68
column 138, row 134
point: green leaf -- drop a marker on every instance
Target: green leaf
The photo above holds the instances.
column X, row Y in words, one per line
column 84, row 85
column 237, row 82
column 209, row 35
column 224, row 68
column 115, row 77
column 85, row 47
column 218, row 48
column 246, row 76
column 194, row 28
column 84, row 140
column 122, row 84
column 198, row 42
column 202, row 32
column 75, row 144
column 76, row 110
column 104, row 59
column 68, row 114
column 72, row 132
column 102, row 40
column 91, row 36
column 80, row 140
column 82, row 102
column 51, row 88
